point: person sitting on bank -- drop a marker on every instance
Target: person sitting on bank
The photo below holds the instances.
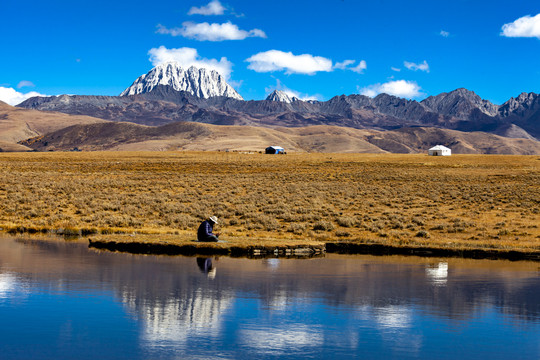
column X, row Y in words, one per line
column 205, row 232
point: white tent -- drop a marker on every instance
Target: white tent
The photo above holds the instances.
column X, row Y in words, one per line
column 275, row 150
column 439, row 150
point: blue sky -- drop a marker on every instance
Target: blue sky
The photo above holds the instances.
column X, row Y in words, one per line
column 312, row 49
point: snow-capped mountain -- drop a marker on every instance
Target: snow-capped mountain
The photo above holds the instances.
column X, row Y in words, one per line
column 281, row 96
column 200, row 82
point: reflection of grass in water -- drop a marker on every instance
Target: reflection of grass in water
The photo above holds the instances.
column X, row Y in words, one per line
column 411, row 200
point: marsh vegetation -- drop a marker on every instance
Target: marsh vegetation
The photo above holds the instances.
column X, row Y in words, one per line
column 464, row 201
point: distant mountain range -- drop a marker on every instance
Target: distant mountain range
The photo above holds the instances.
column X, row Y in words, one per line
column 169, row 94
column 25, row 130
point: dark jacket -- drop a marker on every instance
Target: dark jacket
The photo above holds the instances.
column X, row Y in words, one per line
column 205, row 230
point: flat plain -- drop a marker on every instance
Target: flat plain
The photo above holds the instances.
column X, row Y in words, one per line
column 457, row 202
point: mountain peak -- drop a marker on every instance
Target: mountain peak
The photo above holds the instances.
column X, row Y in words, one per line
column 459, row 103
column 463, row 92
column 201, row 82
column 281, row 96
column 520, row 105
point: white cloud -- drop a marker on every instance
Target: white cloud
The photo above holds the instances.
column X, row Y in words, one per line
column 275, row 60
column 346, row 65
column 237, row 84
column 214, row 7
column 187, row 57
column 211, row 32
column 343, row 65
column 400, row 88
column 395, row 69
column 25, row 83
column 414, row 67
column 444, row 33
column 13, row 97
column 174, row 31
column 360, row 67
column 525, row 26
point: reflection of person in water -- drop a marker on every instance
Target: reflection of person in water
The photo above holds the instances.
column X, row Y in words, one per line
column 205, row 264
column 205, row 231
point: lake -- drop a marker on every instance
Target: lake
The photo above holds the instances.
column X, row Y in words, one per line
column 62, row 300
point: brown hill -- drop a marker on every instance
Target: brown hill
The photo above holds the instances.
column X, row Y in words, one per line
column 323, row 138
column 418, row 140
column 17, row 124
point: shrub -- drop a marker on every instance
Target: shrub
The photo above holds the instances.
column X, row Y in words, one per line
column 346, row 221
column 323, row 226
column 439, row 227
column 296, row 228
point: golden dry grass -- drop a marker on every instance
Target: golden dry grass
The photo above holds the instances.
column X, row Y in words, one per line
column 458, row 202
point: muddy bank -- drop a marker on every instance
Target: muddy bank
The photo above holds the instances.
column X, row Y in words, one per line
column 302, row 250
column 378, row 249
column 197, row 248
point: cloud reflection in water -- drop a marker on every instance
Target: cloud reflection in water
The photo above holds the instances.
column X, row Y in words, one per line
column 279, row 340
column 7, row 285
column 438, row 274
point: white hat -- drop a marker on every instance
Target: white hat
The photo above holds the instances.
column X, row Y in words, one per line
column 213, row 219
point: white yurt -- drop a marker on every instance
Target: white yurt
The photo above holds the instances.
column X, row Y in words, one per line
column 439, row 150
column 274, row 150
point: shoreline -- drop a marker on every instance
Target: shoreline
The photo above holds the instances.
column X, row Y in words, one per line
column 301, row 249
column 172, row 245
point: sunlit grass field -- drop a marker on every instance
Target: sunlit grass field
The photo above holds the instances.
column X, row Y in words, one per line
column 462, row 201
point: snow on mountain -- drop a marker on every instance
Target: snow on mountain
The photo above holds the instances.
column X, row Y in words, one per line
column 200, row 82
column 281, row 96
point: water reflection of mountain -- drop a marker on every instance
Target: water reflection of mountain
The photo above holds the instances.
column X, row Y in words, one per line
column 172, row 292
column 366, row 281
column 180, row 316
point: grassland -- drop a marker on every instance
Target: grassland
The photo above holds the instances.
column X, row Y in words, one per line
column 459, row 202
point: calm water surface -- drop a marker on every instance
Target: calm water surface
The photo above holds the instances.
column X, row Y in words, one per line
column 62, row 300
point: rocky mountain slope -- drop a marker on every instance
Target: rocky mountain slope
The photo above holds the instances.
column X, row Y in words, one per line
column 460, row 103
column 200, row 82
